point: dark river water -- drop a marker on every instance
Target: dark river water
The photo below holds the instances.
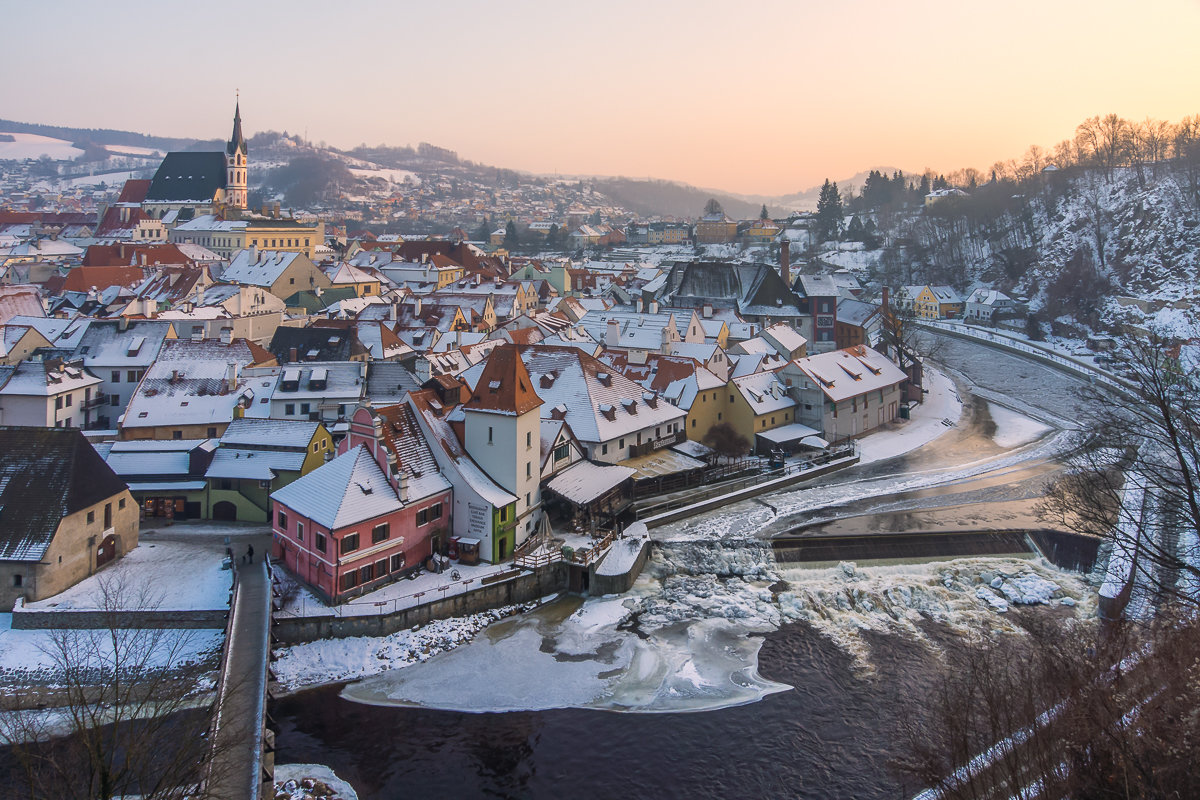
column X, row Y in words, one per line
column 832, row 736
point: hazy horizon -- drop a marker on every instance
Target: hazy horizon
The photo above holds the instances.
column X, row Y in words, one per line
column 763, row 100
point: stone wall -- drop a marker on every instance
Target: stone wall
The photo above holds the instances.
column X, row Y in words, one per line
column 523, row 588
column 24, row 619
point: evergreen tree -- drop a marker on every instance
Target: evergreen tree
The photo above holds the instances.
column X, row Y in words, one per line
column 829, row 212
column 554, row 238
column 763, row 214
column 854, row 231
column 510, row 235
column 484, row 232
column 713, row 207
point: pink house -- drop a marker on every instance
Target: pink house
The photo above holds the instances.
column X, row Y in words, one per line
column 368, row 516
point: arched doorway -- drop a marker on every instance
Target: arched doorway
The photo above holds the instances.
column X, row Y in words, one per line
column 224, row 511
column 107, row 551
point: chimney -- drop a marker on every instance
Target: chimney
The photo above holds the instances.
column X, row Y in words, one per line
column 293, row 355
column 149, row 308
column 885, row 300
column 275, row 210
column 226, row 335
column 640, row 304
column 123, row 323
column 785, row 267
column 653, row 306
column 612, row 334
column 231, row 375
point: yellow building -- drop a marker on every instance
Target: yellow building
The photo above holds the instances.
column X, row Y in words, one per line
column 66, row 513
column 715, row 229
column 758, row 402
column 937, row 302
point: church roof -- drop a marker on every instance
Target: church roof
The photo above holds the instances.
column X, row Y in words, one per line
column 236, row 141
column 188, row 177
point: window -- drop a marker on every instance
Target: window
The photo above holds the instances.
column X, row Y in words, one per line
column 17, row 580
column 489, row 434
column 528, row 502
column 381, row 568
column 693, row 423
column 380, row 533
column 281, row 521
column 211, row 433
column 621, row 445
column 504, row 514
column 561, row 452
column 349, row 543
column 316, row 446
column 131, row 376
column 91, row 517
column 176, row 434
column 435, row 511
column 114, row 400
column 604, row 449
column 528, row 469
column 528, row 440
column 304, row 408
column 299, row 531
column 349, row 580
column 70, row 400
column 423, row 517
column 108, row 515
column 319, row 540
column 226, row 484
column 121, row 504
column 719, row 416
column 365, row 574
column 289, row 409
column 58, row 403
column 115, row 377
column 397, row 562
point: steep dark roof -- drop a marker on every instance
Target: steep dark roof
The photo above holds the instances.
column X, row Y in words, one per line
column 236, row 141
column 46, row 474
column 188, row 176
column 330, row 344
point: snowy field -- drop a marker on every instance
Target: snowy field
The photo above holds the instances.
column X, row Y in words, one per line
column 26, row 656
column 30, row 145
column 165, row 576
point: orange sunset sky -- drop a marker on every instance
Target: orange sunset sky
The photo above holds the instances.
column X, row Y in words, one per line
column 763, row 98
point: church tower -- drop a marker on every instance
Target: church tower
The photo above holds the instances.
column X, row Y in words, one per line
column 235, row 163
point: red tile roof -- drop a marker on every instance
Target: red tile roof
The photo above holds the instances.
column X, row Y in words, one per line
column 81, row 279
column 504, row 385
column 134, row 191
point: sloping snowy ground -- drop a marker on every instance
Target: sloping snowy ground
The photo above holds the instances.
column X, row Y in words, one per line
column 310, row 782
column 925, row 425
column 162, row 575
column 332, row 660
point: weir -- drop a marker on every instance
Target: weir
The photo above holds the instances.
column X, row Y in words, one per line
column 1064, row 550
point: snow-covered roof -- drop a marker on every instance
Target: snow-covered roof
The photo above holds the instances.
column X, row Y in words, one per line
column 601, row 403
column 987, row 297
column 258, row 267
column 47, row 378
column 275, row 433
column 346, row 491
column 259, row 465
column 763, row 392
column 104, row 344
column 189, row 384
column 583, row 481
column 842, row 374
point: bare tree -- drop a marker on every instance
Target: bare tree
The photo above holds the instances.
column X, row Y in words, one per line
column 1134, row 476
column 128, row 716
column 1106, row 139
column 1069, row 710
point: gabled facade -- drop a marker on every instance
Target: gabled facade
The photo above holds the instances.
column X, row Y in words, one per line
column 257, row 456
column 64, row 514
column 845, row 393
column 372, row 515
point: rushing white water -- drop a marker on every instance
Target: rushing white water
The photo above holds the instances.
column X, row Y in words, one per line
column 687, row 637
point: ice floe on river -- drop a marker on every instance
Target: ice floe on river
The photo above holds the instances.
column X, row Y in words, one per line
column 687, row 637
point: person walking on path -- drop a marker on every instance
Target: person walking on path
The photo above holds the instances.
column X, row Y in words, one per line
column 250, row 553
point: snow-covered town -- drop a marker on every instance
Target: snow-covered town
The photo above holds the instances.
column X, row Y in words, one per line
column 330, row 474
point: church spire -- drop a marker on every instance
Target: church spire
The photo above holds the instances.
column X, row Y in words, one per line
column 236, row 141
